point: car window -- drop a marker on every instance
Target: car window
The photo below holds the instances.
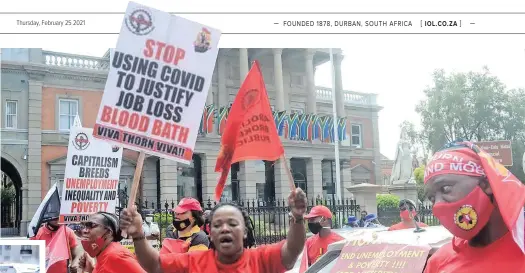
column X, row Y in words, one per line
column 325, row 263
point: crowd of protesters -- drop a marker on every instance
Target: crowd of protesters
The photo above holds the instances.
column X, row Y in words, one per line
column 481, row 206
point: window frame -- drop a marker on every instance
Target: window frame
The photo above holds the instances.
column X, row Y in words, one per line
column 360, row 135
column 69, row 100
column 7, row 115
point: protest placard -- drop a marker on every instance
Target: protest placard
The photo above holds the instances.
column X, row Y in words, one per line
column 159, row 77
column 91, row 176
column 359, row 256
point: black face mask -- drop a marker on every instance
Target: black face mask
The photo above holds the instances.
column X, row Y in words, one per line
column 181, row 224
column 315, row 227
column 52, row 227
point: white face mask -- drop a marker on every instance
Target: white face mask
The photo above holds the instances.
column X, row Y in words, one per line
column 149, row 219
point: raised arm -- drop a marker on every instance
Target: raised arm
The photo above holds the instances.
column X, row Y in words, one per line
column 296, row 233
column 148, row 257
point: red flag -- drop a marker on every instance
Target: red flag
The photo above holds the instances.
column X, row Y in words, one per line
column 58, row 248
column 250, row 132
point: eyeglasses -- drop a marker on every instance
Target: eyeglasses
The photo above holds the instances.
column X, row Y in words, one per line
column 88, row 225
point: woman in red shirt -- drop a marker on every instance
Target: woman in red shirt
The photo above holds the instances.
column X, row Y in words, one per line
column 231, row 234
column 481, row 203
column 101, row 240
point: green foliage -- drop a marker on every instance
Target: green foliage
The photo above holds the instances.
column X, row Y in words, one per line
column 474, row 106
column 8, row 195
column 386, row 201
column 163, row 219
column 419, row 176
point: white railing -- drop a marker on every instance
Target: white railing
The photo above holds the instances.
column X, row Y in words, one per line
column 350, row 97
column 74, row 61
column 102, row 64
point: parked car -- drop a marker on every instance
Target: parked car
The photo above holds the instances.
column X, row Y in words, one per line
column 435, row 237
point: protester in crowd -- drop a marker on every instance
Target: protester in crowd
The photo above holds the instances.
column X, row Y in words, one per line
column 171, row 232
column 187, row 223
column 206, row 226
column 371, row 221
column 481, row 203
column 352, row 222
column 47, row 233
column 101, row 237
column 151, row 229
column 77, row 230
column 319, row 223
column 230, row 232
column 364, row 213
column 408, row 214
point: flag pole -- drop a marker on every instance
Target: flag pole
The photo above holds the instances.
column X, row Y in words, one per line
column 135, row 185
column 336, row 133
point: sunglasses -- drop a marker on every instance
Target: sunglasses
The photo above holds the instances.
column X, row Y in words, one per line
column 88, row 225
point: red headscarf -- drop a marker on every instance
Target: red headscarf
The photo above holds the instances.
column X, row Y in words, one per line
column 508, row 191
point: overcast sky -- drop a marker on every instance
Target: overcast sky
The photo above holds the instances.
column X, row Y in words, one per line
column 399, row 67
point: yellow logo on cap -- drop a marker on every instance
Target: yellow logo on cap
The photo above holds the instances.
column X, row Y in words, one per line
column 466, row 217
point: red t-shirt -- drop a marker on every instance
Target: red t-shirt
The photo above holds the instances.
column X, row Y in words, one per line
column 47, row 235
column 402, row 225
column 115, row 258
column 316, row 246
column 263, row 259
column 501, row 256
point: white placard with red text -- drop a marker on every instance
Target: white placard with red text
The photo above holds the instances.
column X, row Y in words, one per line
column 91, row 176
column 158, row 82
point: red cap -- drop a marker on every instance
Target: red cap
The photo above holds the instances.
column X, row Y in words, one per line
column 187, row 204
column 319, row 211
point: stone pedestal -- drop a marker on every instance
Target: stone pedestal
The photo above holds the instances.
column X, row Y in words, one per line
column 365, row 196
column 346, row 178
column 209, row 176
column 282, row 180
column 168, row 180
column 247, row 181
column 314, row 178
column 404, row 191
column 403, row 182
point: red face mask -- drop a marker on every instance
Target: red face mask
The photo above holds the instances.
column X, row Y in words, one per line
column 465, row 218
column 93, row 248
column 405, row 215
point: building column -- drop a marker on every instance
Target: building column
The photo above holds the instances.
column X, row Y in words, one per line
column 314, row 177
column 377, row 154
column 149, row 181
column 222, row 74
column 247, row 181
column 209, row 98
column 35, row 188
column 339, row 92
column 282, row 188
column 243, row 63
column 209, row 176
column 346, row 178
column 278, row 71
column 168, row 180
column 310, row 80
column 246, row 168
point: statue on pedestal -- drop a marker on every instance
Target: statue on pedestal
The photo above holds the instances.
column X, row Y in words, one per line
column 402, row 171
